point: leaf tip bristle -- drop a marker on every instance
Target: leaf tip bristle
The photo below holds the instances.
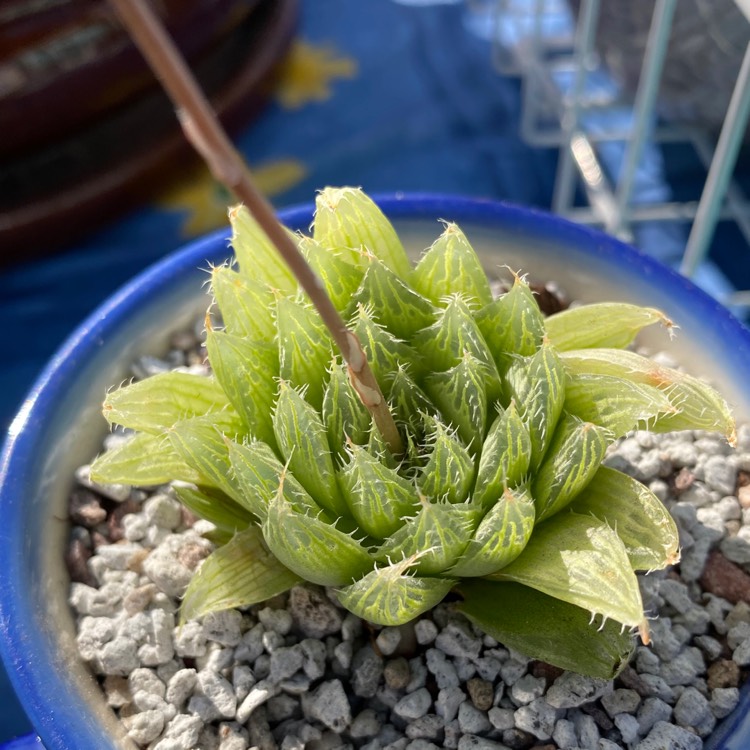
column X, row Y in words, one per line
column 643, row 632
column 668, row 323
column 518, row 277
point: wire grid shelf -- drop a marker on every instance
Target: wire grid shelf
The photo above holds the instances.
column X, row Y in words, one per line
column 610, row 143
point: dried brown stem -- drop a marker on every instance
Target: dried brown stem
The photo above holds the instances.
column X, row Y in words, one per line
column 203, row 129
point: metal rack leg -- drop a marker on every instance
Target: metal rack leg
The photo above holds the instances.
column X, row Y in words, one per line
column 584, row 46
column 722, row 166
column 645, row 101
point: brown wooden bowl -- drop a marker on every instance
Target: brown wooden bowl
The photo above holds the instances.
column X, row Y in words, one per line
column 59, row 192
column 65, row 62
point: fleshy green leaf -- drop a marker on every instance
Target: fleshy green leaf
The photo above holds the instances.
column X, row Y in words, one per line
column 449, row 471
column 583, row 562
column 343, row 413
column 434, row 538
column 376, row 446
column 377, row 496
column 305, row 348
column 500, row 537
column 537, row 385
column 314, row 549
column 575, row 453
column 395, row 304
column 605, row 324
column 215, row 506
column 450, row 267
column 391, row 596
column 246, row 306
column 461, row 397
column 546, row 628
column 409, row 405
column 204, row 447
column 246, row 371
column 512, row 324
column 340, row 276
column 385, row 353
column 241, row 573
column 259, row 475
column 616, row 404
column 505, row 459
column 444, row 344
column 156, row 403
column 257, row 256
column 303, row 442
column 346, row 217
column 144, row 460
column 699, row 406
column 640, row 519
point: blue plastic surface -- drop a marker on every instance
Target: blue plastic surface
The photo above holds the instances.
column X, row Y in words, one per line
column 27, row 742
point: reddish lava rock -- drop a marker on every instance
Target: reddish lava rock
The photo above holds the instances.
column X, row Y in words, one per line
column 723, row 674
column 723, row 578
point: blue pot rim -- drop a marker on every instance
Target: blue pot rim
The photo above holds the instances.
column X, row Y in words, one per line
column 28, row 426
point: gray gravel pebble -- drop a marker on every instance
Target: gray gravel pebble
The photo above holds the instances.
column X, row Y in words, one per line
column 472, row 742
column 388, row 640
column 724, row 701
column 684, row 668
column 442, row 668
column 418, row 672
column 694, row 711
column 413, row 705
column 628, row 726
column 448, row 701
column 471, row 720
column 425, row 631
column 586, row 729
column 219, row 692
column 651, row 711
column 622, row 700
column 258, row 695
column 182, row 733
column 365, row 725
column 456, row 639
column 367, row 669
column 144, row 727
column 526, row 689
column 285, row 662
column 665, row 736
column 232, row 736
column 427, row 727
column 537, row 718
column 314, row 614
column 502, row 718
column 328, row 704
column 571, row 690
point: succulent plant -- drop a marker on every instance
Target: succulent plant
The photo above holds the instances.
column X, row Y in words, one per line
column 499, row 496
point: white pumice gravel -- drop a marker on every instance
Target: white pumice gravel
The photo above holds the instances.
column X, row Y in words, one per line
column 300, row 672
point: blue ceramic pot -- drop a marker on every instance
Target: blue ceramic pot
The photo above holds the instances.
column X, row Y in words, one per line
column 60, row 427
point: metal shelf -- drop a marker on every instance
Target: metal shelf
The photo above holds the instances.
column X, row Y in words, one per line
column 608, row 141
